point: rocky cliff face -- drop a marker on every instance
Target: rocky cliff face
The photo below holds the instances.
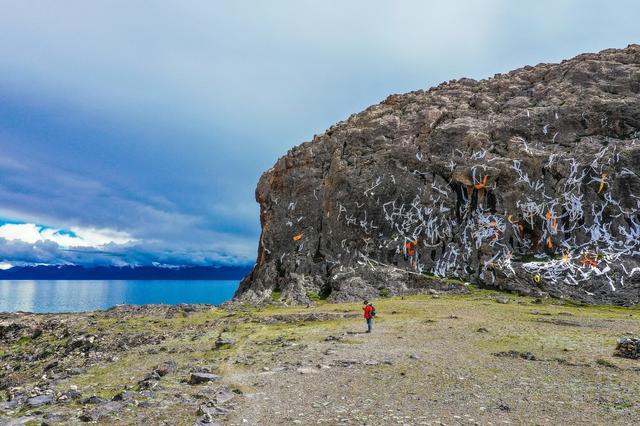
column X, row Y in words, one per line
column 528, row 181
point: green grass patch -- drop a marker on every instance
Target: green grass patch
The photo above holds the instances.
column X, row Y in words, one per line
column 605, row 363
column 384, row 292
column 24, row 340
column 107, row 393
column 622, row 404
column 313, row 296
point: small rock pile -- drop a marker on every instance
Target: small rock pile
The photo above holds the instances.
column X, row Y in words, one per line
column 219, row 405
column 628, row 347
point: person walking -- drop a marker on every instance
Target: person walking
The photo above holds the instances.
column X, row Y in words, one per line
column 369, row 313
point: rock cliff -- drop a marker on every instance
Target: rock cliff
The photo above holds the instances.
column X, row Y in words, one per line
column 528, row 181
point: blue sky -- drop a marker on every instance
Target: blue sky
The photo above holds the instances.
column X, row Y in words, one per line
column 138, row 130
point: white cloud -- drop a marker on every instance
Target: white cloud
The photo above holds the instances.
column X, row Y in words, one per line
column 27, row 232
column 78, row 237
column 93, row 237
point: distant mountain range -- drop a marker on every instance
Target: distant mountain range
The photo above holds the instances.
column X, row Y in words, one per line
column 72, row 272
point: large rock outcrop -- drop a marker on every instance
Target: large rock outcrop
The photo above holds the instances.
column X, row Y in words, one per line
column 528, row 181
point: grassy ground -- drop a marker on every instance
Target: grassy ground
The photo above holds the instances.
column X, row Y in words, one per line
column 456, row 359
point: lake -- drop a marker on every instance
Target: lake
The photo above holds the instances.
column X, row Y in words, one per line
column 91, row 295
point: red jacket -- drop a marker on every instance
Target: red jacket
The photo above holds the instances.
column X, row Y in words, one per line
column 367, row 311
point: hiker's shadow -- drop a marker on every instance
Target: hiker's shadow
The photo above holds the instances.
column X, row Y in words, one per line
column 356, row 332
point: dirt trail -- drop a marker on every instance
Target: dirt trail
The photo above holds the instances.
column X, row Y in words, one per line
column 438, row 365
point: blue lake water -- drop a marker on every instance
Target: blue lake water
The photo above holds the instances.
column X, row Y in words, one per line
column 91, row 295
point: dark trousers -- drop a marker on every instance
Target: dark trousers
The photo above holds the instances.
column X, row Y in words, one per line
column 369, row 324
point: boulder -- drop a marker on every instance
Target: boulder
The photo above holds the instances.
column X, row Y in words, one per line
column 206, row 420
column 93, row 400
column 198, row 378
column 224, row 395
column 224, row 342
column 71, row 394
column 100, row 411
column 19, row 421
column 628, row 347
column 39, row 400
column 525, row 182
column 82, row 343
column 12, row 331
column 166, row 368
column 123, row 396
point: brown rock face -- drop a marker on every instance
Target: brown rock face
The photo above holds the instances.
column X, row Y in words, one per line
column 528, row 181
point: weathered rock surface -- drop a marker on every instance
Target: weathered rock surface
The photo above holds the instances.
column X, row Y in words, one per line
column 165, row 368
column 528, row 182
column 103, row 410
column 39, row 400
column 628, row 347
column 198, row 378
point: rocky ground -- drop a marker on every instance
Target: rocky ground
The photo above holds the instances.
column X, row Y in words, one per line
column 475, row 358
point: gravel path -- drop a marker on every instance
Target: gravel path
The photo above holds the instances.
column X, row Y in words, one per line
column 433, row 367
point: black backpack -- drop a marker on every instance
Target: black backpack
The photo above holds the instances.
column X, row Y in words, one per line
column 373, row 311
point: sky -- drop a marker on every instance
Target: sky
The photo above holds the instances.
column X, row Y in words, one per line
column 134, row 133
